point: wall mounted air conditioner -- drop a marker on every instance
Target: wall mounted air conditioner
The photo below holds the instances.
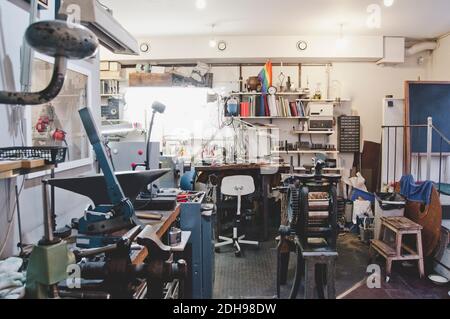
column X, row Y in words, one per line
column 97, row 18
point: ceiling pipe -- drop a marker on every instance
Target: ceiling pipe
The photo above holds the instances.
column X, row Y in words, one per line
column 421, row 47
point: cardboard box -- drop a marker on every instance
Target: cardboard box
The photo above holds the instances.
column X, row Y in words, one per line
column 150, row 79
column 104, row 66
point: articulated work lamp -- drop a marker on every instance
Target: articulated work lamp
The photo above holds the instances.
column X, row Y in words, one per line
column 62, row 41
column 157, row 107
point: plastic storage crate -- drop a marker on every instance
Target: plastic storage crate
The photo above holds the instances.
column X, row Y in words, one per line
column 51, row 154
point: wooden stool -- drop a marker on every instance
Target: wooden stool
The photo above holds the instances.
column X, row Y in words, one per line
column 399, row 226
column 320, row 264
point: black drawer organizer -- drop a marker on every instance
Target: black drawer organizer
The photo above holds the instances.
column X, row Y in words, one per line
column 349, row 134
column 51, row 154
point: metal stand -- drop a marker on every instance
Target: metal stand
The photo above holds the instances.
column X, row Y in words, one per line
column 319, row 267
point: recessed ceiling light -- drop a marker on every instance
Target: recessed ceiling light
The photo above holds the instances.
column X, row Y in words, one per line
column 212, row 43
column 388, row 3
column 200, row 4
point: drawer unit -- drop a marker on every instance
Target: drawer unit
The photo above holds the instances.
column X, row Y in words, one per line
column 349, row 134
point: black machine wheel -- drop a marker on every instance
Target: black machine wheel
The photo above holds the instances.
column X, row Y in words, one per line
column 293, row 206
column 333, row 217
column 294, row 217
column 302, row 228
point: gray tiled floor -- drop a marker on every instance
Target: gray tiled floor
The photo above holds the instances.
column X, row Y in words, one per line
column 254, row 274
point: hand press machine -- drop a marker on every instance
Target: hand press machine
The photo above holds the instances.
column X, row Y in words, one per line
column 312, row 231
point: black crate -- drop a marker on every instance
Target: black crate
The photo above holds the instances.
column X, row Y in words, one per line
column 51, row 154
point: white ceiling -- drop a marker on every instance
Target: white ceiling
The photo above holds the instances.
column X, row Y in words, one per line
column 408, row 18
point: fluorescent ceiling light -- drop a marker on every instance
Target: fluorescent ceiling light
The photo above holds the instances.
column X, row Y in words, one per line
column 388, row 3
column 342, row 41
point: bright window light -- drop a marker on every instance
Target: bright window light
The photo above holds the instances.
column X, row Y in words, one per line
column 388, row 3
column 187, row 113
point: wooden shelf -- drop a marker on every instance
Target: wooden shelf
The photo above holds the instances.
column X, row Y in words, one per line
column 277, row 94
column 306, row 152
column 270, row 117
column 111, row 95
column 325, row 101
column 314, row 132
column 338, row 169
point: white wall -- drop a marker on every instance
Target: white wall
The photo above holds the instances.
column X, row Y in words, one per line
column 13, row 23
column 439, row 67
column 257, row 48
column 367, row 84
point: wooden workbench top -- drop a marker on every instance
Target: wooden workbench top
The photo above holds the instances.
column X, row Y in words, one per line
column 225, row 167
column 161, row 227
column 11, row 169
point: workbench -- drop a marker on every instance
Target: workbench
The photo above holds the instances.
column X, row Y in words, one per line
column 161, row 228
column 137, row 256
column 268, row 175
column 12, row 169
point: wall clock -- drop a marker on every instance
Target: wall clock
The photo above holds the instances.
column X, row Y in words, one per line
column 302, row 45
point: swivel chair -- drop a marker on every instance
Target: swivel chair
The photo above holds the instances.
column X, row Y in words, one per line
column 239, row 185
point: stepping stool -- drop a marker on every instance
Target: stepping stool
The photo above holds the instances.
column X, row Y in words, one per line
column 319, row 272
column 399, row 226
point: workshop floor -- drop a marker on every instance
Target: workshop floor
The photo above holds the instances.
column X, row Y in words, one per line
column 254, row 275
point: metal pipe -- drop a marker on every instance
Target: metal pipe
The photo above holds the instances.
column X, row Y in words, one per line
column 410, row 152
column 388, row 155
column 395, row 156
column 62, row 41
column 441, row 135
column 19, row 221
column 44, row 96
column 48, row 228
column 52, row 200
column 429, row 146
column 149, row 134
column 405, row 126
column 440, row 166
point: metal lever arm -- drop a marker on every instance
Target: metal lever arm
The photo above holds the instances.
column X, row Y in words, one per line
column 115, row 192
column 62, row 41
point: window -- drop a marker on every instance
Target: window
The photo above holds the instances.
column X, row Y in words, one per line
column 58, row 123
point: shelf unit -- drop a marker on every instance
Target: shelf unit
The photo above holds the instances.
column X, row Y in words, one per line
column 270, row 117
column 336, row 169
column 306, row 152
column 294, row 125
column 314, row 132
column 119, row 96
column 277, row 94
column 326, row 100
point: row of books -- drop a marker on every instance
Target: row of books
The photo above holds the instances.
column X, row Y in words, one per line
column 254, row 106
column 109, row 87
